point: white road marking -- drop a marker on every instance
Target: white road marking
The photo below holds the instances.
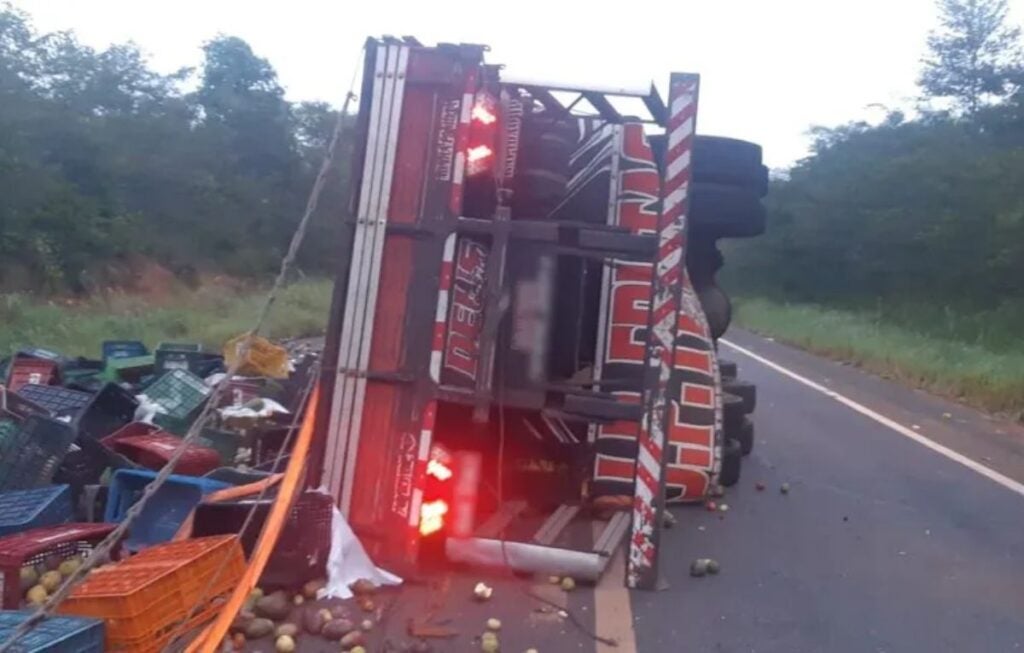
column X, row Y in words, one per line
column 955, row 456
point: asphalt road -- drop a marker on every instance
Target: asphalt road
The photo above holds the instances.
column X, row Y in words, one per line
column 883, row 544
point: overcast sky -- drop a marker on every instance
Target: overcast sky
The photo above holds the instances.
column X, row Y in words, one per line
column 770, row 68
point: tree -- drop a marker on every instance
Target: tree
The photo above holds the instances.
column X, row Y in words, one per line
column 974, row 56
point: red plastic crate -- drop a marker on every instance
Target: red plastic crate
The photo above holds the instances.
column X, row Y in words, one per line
column 39, row 545
column 146, row 599
column 32, row 371
column 154, row 450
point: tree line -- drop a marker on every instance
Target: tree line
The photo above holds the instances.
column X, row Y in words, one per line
column 926, row 206
column 105, row 162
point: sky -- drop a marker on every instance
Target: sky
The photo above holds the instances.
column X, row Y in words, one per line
column 770, row 69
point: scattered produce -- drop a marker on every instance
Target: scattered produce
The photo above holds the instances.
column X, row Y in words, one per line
column 298, row 599
column 724, row 507
column 69, row 566
column 29, row 578
column 493, row 624
column 289, row 629
column 367, row 624
column 313, row 620
column 713, row 567
column 568, row 584
column 284, row 644
column 363, row 586
column 699, row 567
column 489, row 643
column 275, row 606
column 37, row 595
column 784, row 488
column 238, row 641
column 554, row 580
column 357, row 649
column 711, row 506
column 366, row 604
column 51, row 580
column 759, row 487
column 313, row 587
column 260, row 627
column 483, row 592
column 336, row 629
column 353, row 639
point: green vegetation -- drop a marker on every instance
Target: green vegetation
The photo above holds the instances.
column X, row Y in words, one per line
column 989, row 378
column 900, row 245
column 107, row 165
column 210, row 316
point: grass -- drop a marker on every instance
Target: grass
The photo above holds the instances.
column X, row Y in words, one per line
column 988, row 377
column 210, row 316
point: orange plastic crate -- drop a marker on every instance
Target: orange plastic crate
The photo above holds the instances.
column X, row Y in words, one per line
column 197, row 562
column 148, row 597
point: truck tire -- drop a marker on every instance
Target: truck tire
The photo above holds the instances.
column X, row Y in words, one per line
column 717, row 308
column 745, row 436
column 543, row 166
column 726, row 211
column 732, row 414
column 732, row 460
column 727, row 368
column 729, row 161
column 745, row 390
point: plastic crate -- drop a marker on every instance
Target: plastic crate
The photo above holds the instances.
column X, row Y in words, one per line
column 14, row 403
column 154, row 451
column 145, row 601
column 180, row 393
column 128, row 369
column 25, row 370
column 198, row 560
column 21, row 510
column 47, row 545
column 31, row 450
column 122, row 349
column 179, row 346
column 86, row 463
column 198, row 362
column 166, row 510
column 225, row 443
column 302, row 549
column 54, row 634
column 108, row 410
column 60, row 402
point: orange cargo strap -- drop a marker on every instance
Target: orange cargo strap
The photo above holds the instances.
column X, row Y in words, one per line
column 209, row 640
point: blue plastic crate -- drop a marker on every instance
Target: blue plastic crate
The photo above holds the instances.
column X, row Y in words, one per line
column 21, row 510
column 31, row 450
column 60, row 402
column 54, row 635
column 166, row 510
column 122, row 349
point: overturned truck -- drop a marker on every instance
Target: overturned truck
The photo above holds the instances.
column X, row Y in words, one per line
column 522, row 337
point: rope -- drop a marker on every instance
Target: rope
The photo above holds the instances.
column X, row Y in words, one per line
column 104, row 548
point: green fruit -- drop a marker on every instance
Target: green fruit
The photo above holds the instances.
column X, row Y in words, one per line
column 37, row 595
column 51, row 580
column 29, row 577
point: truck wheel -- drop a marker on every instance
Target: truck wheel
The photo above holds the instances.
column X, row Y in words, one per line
column 727, row 368
column 745, row 390
column 729, row 161
column 543, row 164
column 746, row 436
column 732, row 414
column 717, row 309
column 725, row 211
column 732, row 457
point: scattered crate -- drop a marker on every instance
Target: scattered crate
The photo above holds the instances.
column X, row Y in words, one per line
column 181, row 394
column 108, row 410
column 302, row 548
column 179, row 346
column 225, row 443
column 164, row 512
column 19, row 405
column 60, row 402
column 54, row 634
column 31, row 450
column 144, row 602
column 122, row 349
column 21, row 510
column 128, row 369
column 154, row 451
column 27, row 370
column 49, row 545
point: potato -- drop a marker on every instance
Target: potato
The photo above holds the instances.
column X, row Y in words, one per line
column 310, row 589
column 284, row 644
column 37, row 595
column 51, row 580
column 336, row 629
column 354, row 638
column 241, row 622
column 289, row 629
column 276, row 606
column 313, row 620
column 357, row 649
column 298, row 599
column 259, row 628
column 493, row 624
column 238, row 641
column 363, row 586
column 568, row 584
column 489, row 643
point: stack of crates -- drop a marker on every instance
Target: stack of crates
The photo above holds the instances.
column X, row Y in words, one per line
column 165, row 591
column 21, row 510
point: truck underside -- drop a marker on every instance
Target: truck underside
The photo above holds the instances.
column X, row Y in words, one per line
column 517, row 331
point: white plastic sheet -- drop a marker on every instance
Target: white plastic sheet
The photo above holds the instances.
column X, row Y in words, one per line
column 348, row 562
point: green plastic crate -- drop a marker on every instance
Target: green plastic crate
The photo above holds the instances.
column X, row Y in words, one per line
column 181, row 394
column 128, row 369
